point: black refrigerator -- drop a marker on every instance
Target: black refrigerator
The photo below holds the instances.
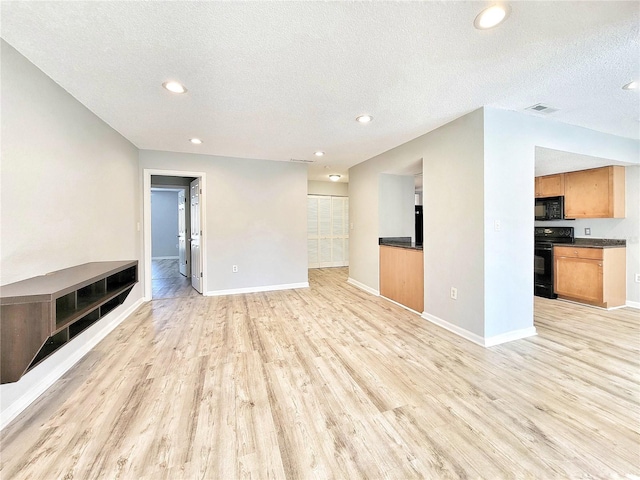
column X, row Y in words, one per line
column 418, row 224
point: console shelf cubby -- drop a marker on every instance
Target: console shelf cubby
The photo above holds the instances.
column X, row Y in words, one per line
column 41, row 314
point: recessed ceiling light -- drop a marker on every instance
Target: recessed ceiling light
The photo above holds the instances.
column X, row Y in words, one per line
column 319, row 153
column 174, row 87
column 364, row 118
column 334, row 178
column 195, row 141
column 631, row 86
column 490, row 17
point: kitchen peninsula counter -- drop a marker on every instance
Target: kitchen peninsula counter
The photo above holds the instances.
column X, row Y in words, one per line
column 402, row 273
column 400, row 242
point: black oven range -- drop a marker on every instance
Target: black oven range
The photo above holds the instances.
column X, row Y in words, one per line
column 544, row 239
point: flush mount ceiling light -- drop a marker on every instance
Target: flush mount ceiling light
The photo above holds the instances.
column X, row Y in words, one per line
column 319, row 153
column 334, row 178
column 195, row 141
column 364, row 118
column 175, row 87
column 492, row 16
column 631, row 86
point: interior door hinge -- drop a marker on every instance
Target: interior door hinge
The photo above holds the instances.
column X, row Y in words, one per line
column 200, row 274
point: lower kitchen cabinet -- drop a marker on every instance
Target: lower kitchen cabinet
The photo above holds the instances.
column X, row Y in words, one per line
column 402, row 276
column 591, row 275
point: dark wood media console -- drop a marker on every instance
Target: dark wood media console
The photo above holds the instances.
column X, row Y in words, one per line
column 40, row 314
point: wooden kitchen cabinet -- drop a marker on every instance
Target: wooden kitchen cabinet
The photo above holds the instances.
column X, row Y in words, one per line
column 402, row 276
column 595, row 193
column 550, row 186
column 591, row 275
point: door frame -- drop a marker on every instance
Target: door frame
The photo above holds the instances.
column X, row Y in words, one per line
column 146, row 219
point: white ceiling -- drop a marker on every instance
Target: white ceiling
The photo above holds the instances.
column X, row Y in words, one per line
column 550, row 161
column 280, row 80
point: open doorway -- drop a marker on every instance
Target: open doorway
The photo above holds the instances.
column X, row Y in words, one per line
column 174, row 226
column 170, row 227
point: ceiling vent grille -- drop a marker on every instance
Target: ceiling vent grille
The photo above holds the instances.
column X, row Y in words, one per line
column 542, row 109
column 300, row 160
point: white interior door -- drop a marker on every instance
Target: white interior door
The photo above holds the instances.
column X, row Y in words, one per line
column 196, row 234
column 327, row 231
column 182, row 233
column 312, row 232
column 339, row 231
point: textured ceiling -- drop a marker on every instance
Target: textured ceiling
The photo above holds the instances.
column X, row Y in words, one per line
column 549, row 161
column 280, row 80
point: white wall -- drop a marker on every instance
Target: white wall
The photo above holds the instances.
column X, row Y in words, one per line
column 164, row 224
column 70, row 195
column 453, row 201
column 334, row 189
column 396, row 206
column 256, row 214
column 508, row 199
column 453, row 218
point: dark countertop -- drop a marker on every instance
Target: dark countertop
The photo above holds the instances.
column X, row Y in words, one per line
column 400, row 242
column 595, row 243
column 599, row 243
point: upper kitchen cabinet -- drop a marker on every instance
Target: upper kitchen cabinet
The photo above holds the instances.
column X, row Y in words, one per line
column 550, row 186
column 595, row 193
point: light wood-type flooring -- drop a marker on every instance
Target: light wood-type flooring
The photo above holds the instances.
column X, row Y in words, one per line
column 331, row 382
column 168, row 282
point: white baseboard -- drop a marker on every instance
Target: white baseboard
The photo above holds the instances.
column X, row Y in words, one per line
column 362, row 286
column 165, row 258
column 482, row 341
column 633, row 304
column 266, row 288
column 510, row 336
column 461, row 332
column 58, row 363
column 596, row 307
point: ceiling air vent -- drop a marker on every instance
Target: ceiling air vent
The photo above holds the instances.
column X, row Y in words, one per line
column 542, row 108
column 300, row 160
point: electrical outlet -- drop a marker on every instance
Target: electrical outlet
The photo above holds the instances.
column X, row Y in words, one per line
column 637, row 277
column 234, row 269
column 587, row 231
column 454, row 293
column 497, row 225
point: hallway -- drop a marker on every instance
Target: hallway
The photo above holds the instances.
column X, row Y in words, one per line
column 167, row 282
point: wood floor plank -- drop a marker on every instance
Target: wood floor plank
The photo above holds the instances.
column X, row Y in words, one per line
column 331, row 382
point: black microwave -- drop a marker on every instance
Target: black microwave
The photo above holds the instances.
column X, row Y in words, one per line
column 551, row 208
